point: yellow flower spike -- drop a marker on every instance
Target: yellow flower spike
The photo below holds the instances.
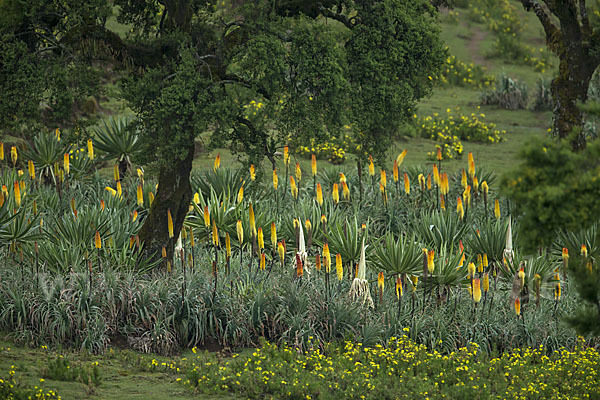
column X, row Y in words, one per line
column 428, row 181
column 522, row 276
column 14, row 155
column 584, row 251
column 66, row 163
column 485, row 260
column 459, row 208
column 217, row 162
column 262, row 261
column 471, row 269
column 471, row 165
column 281, row 252
column 215, row 234
column 275, row 179
column 31, row 169
column 240, row 231
column 497, row 209
column 150, row 199
column 286, row 155
column 395, row 171
column 17, row 190
column 415, row 281
column 196, row 198
column 2, row 199
column 116, row 173
column 371, row 167
column 442, row 202
column 380, row 281
column 486, row 282
column 110, row 190
column 140, row 196
column 140, row 173
column 227, row 245
column 293, row 187
column 170, row 223
column 273, row 235
column 308, row 225
column 135, row 215
column 1, row 151
column 398, row 288
column 421, row 179
column 462, row 261
column 240, row 195
column 430, row 261
column 339, row 268
column 342, row 178
column 463, row 179
column 164, row 252
column 319, row 194
column 318, row 262
column 400, row 158
column 335, row 194
column 206, row 215
column 345, row 191
column 252, row 172
column 260, row 239
column 90, row 149
column 252, row 220
column 406, row 184
column 323, row 219
column 327, row 258
column 557, row 292
column 97, row 240
column 476, row 290
column 298, row 172
column 518, row 306
column 383, row 179
column 313, row 165
column 57, row 134
column 475, row 184
column 485, row 188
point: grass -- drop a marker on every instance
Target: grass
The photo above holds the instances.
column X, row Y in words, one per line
column 122, row 377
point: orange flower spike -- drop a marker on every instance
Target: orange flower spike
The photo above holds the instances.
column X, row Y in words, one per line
column 406, row 184
column 286, row 155
column 380, row 281
column 471, row 166
column 371, row 167
column 518, row 306
column 97, row 240
column 318, row 262
column 439, row 154
column 345, row 191
column 430, row 261
column 206, row 216
column 584, row 251
column 398, row 288
column 273, row 235
column 252, row 172
column 240, row 196
column 319, row 194
column 476, row 290
column 395, row 171
column 383, row 179
column 565, row 256
column 313, row 165
column 428, row 181
column 17, row 189
column 252, row 219
column 436, row 175
column 262, row 261
column 299, row 267
column 260, row 239
column 463, row 179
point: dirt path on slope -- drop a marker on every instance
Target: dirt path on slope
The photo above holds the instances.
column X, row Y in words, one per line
column 474, row 46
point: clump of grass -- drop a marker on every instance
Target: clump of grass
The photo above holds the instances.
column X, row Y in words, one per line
column 509, row 93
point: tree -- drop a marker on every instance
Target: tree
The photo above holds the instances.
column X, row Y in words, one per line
column 251, row 75
column 259, row 75
column 576, row 42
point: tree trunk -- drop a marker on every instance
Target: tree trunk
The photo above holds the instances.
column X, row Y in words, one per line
column 570, row 87
column 174, row 193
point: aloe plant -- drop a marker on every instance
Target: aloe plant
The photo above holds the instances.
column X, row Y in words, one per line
column 117, row 139
column 398, row 256
column 438, row 229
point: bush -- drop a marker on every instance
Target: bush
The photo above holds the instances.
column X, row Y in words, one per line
column 449, row 131
column 509, row 93
column 459, row 73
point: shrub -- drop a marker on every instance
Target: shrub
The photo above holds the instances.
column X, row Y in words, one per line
column 451, row 129
column 509, row 93
column 543, row 96
column 458, row 73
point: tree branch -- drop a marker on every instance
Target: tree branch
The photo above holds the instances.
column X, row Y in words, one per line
column 350, row 23
column 550, row 29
